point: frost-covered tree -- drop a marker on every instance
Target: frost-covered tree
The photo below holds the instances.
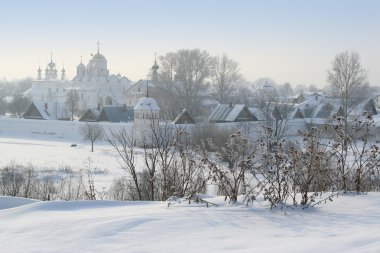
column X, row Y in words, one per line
column 225, row 77
column 72, row 103
column 183, row 77
column 91, row 132
column 349, row 81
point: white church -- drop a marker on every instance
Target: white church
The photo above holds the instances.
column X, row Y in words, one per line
column 96, row 87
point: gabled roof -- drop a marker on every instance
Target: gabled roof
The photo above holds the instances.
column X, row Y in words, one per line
column 48, row 110
column 91, row 115
column 116, row 114
column 39, row 110
column 231, row 113
column 257, row 112
column 141, row 83
column 296, row 113
column 326, row 110
column 184, row 118
column 35, row 111
column 367, row 105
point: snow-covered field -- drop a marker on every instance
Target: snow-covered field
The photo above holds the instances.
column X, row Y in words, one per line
column 47, row 145
column 348, row 224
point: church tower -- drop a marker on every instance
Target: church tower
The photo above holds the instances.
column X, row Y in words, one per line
column 146, row 120
column 155, row 67
column 39, row 76
column 51, row 71
column 81, row 69
column 63, row 73
column 97, row 66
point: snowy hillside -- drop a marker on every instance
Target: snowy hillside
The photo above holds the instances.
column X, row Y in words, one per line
column 348, row 224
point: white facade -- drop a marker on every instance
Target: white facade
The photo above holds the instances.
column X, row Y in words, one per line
column 140, row 88
column 95, row 86
column 49, row 90
column 137, row 91
column 146, row 121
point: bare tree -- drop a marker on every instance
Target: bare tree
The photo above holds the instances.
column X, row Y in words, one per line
column 275, row 113
column 72, row 102
column 225, row 77
column 183, row 76
column 123, row 142
column 349, row 80
column 91, row 132
column 160, row 151
column 285, row 90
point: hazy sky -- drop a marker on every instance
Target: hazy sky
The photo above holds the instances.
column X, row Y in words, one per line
column 289, row 41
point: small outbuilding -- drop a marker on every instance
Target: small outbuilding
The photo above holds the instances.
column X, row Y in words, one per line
column 184, row 118
column 91, row 115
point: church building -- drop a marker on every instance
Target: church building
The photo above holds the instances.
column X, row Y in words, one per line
column 96, row 87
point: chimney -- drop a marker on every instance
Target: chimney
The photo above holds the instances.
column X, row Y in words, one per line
column 46, row 106
column 230, row 104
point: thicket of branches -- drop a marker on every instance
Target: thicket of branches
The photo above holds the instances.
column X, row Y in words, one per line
column 304, row 171
column 66, row 184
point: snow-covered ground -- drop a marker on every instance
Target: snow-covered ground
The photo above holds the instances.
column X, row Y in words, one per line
column 348, row 224
column 47, row 145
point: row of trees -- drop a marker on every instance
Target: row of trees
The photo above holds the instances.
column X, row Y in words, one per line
column 66, row 184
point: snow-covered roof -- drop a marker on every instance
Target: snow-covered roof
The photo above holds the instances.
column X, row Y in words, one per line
column 42, row 108
column 115, row 114
column 367, row 105
column 257, row 112
column 142, row 84
column 147, row 103
column 231, row 113
column 326, row 110
column 184, row 116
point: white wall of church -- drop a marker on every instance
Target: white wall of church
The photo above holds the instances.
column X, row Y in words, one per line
column 95, row 86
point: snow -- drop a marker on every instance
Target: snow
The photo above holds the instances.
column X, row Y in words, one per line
column 47, row 145
column 351, row 223
column 10, row 202
column 348, row 224
column 147, row 103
